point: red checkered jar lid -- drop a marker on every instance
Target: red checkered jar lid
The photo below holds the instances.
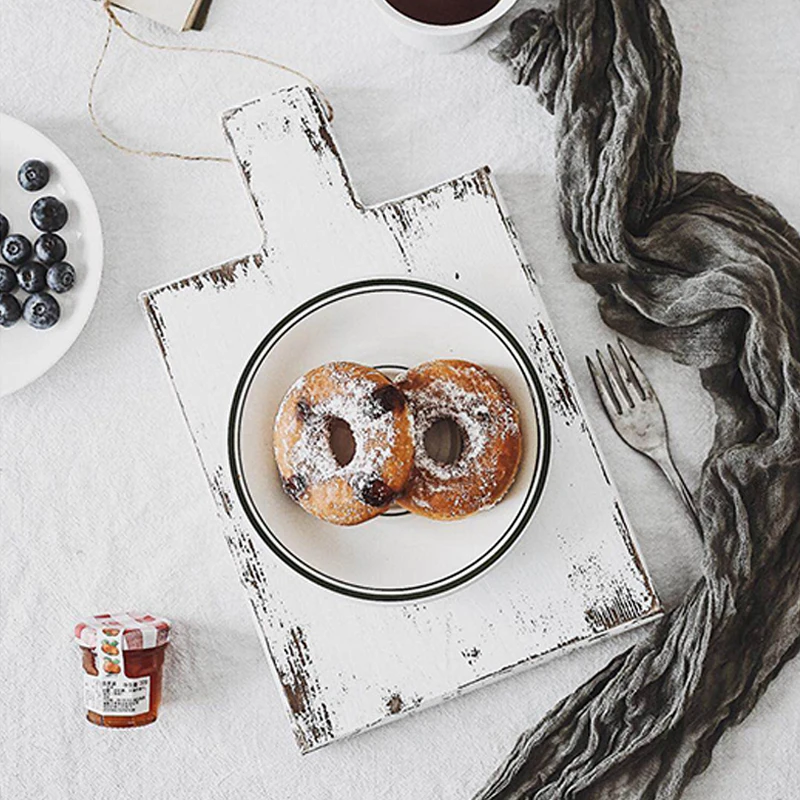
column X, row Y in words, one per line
column 136, row 631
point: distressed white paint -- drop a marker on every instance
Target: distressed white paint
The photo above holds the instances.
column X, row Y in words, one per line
column 347, row 664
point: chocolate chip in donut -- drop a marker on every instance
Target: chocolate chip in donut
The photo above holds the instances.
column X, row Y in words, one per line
column 386, row 399
column 482, row 414
column 304, row 411
column 294, row 486
column 374, row 492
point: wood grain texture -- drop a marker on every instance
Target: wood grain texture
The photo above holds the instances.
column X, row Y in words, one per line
column 343, row 664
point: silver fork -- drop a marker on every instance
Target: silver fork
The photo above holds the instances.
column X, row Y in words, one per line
column 636, row 414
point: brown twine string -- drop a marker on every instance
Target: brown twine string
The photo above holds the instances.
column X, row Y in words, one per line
column 113, row 20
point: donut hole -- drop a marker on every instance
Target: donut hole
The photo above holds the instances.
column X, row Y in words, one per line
column 444, row 441
column 343, row 445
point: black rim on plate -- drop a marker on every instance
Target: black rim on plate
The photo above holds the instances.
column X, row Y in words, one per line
column 534, row 490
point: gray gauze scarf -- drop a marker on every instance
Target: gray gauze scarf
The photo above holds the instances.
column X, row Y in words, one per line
column 692, row 265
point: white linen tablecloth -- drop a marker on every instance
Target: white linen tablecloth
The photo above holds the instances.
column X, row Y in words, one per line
column 102, row 502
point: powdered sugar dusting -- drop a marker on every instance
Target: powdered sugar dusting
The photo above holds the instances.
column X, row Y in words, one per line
column 374, row 435
column 483, row 421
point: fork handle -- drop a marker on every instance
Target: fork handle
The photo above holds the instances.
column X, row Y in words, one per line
column 669, row 469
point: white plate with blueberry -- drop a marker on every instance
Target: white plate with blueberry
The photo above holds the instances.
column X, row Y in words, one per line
column 51, row 254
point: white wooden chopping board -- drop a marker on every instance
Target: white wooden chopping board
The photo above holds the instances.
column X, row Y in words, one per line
column 344, row 664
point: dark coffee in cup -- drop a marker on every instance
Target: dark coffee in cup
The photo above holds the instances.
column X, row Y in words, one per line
column 443, row 12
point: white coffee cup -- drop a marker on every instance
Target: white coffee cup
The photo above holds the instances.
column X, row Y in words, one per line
column 440, row 38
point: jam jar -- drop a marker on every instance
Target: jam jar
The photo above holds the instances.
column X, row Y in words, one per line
column 123, row 663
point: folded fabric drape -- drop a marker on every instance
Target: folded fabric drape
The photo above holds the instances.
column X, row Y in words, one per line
column 693, row 265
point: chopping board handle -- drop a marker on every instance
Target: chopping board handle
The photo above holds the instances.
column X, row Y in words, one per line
column 290, row 162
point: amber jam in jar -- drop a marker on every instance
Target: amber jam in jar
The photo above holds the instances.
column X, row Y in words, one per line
column 123, row 664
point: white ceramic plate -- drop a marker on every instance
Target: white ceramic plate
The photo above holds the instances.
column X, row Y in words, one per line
column 384, row 322
column 25, row 353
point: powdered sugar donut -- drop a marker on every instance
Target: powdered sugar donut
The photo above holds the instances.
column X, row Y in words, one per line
column 343, row 442
column 481, row 470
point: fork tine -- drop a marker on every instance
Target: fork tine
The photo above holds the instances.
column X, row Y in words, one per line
column 629, row 386
column 607, row 398
column 645, row 387
column 614, row 385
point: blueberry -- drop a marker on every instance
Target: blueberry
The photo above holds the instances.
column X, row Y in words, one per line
column 50, row 248
column 374, row 492
column 3, row 227
column 387, row 398
column 61, row 277
column 49, row 214
column 41, row 311
column 16, row 249
column 294, row 486
column 10, row 310
column 33, row 175
column 32, row 277
column 8, row 279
